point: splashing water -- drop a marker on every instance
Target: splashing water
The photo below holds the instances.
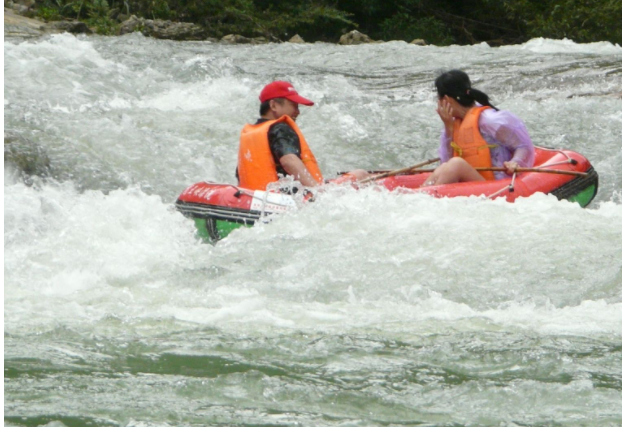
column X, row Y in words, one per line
column 365, row 308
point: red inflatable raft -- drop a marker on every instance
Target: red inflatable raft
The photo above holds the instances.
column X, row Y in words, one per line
column 217, row 209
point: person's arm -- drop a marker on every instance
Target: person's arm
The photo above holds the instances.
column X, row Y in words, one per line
column 294, row 166
column 517, row 139
column 510, row 131
column 445, row 151
column 524, row 151
column 285, row 146
column 445, row 112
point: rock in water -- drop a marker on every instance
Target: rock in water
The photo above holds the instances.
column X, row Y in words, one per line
column 354, row 37
column 235, row 38
column 419, row 42
column 163, row 29
column 28, row 157
column 296, row 39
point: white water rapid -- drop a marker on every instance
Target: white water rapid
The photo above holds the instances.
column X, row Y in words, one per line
column 365, row 308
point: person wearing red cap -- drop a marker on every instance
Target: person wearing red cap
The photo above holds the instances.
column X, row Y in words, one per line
column 275, row 146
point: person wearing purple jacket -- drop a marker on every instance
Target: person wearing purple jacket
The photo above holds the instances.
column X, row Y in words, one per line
column 475, row 134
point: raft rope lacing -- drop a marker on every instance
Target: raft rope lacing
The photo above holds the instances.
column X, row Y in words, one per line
column 510, row 187
column 239, row 191
column 263, row 204
column 568, row 160
column 264, row 200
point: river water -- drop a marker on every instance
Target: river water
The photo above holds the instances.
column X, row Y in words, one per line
column 365, row 308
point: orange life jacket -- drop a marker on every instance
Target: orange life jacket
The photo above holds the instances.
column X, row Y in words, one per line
column 469, row 144
column 256, row 166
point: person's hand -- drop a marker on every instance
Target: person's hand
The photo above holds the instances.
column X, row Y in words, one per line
column 446, row 113
column 510, row 167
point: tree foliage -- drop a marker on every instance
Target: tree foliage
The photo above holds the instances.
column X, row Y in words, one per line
column 579, row 20
column 439, row 22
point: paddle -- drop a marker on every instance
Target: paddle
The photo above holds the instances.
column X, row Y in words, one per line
column 399, row 171
column 518, row 170
column 532, row 169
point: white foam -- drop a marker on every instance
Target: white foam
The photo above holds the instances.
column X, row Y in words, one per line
column 210, row 95
column 566, row 46
column 368, row 260
column 57, row 48
column 588, row 318
column 89, row 245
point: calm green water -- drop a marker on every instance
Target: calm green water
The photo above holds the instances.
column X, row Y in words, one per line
column 363, row 309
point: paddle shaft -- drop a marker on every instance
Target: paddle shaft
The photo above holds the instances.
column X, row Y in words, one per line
column 519, row 170
column 399, row 171
column 532, row 169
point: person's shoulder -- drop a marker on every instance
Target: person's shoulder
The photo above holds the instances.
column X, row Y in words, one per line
column 280, row 126
column 499, row 115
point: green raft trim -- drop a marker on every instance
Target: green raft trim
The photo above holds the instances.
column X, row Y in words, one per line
column 212, row 230
column 584, row 197
column 581, row 189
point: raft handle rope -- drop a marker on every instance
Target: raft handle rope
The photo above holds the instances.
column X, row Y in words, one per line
column 264, row 200
column 569, row 160
column 509, row 187
column 239, row 192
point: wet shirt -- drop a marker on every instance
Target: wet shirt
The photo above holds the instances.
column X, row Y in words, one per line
column 283, row 141
column 501, row 128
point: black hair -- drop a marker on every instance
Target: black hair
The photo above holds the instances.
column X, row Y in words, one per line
column 456, row 84
column 265, row 106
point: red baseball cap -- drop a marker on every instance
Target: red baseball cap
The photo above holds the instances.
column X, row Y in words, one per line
column 282, row 89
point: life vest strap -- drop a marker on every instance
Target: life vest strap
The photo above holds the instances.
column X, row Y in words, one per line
column 459, row 151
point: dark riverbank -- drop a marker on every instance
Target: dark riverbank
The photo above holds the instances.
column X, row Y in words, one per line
column 16, row 25
column 441, row 22
column 19, row 26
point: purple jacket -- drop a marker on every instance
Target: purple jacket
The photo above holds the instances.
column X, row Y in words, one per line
column 501, row 128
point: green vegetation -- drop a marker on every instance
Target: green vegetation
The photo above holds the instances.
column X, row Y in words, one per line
column 579, row 20
column 97, row 14
column 440, row 22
